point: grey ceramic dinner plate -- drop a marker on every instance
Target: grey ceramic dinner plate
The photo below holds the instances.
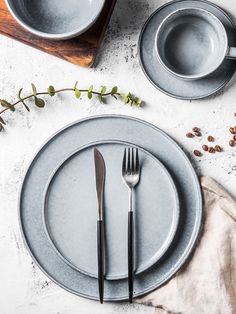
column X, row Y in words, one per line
column 164, row 80
column 70, row 211
column 67, row 141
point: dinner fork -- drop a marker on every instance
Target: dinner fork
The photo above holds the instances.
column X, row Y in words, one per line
column 131, row 176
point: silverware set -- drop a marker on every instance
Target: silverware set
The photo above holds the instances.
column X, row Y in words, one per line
column 131, row 175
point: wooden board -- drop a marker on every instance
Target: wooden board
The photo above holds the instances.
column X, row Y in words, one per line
column 81, row 50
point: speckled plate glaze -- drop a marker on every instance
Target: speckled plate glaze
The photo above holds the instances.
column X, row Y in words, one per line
column 165, row 81
column 70, row 211
column 74, row 137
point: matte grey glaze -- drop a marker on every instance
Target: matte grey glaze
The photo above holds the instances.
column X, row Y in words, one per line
column 191, row 43
column 57, row 149
column 161, row 78
column 70, row 211
column 55, row 19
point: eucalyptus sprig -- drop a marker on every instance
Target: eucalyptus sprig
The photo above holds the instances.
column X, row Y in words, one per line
column 39, row 102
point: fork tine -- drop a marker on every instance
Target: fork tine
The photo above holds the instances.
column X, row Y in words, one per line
column 124, row 166
column 132, row 163
column 128, row 166
column 137, row 161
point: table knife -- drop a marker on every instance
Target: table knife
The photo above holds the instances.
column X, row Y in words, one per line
column 100, row 179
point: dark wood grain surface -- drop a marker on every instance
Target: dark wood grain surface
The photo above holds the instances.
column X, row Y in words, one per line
column 81, row 50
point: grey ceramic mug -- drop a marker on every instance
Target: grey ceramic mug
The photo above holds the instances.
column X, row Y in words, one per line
column 192, row 43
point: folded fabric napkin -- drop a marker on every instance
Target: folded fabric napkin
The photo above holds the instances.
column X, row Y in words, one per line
column 207, row 283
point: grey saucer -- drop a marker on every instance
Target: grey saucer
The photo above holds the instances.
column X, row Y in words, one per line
column 70, row 211
column 165, row 81
column 57, row 149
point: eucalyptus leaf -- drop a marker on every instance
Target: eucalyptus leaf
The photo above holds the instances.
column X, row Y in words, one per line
column 90, row 92
column 22, row 100
column 34, row 89
column 77, row 93
column 139, row 102
column 100, row 98
column 114, row 90
column 103, row 90
column 75, row 86
column 2, row 121
column 90, row 89
column 39, row 102
column 51, row 91
column 7, row 105
column 127, row 98
column 19, row 93
column 24, row 104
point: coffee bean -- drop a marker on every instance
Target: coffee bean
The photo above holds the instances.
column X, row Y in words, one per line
column 211, row 150
column 235, row 114
column 231, row 130
column 218, row 148
column 197, row 153
column 235, row 130
column 210, row 138
column 189, row 135
column 198, row 133
column 205, row 148
column 196, row 129
column 231, row 143
column 234, row 138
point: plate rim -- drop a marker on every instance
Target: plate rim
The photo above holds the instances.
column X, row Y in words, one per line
column 174, row 226
column 188, row 250
column 225, row 83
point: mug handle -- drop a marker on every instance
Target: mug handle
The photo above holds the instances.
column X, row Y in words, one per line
column 231, row 54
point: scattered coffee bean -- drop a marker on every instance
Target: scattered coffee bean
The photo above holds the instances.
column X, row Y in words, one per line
column 210, row 138
column 218, row 148
column 235, row 130
column 235, row 114
column 231, row 130
column 211, row 150
column 189, row 135
column 197, row 153
column 196, row 129
column 234, row 138
column 198, row 133
column 205, row 148
column 231, row 143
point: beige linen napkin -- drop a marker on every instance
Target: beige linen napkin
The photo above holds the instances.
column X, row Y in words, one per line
column 207, row 284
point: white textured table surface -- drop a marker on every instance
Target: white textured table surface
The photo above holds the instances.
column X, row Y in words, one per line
column 23, row 288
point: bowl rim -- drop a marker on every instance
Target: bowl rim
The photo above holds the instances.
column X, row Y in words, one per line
column 61, row 36
column 203, row 73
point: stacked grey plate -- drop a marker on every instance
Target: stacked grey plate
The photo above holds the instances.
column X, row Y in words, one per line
column 57, row 207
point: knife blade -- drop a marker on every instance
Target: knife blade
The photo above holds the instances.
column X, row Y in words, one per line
column 100, row 180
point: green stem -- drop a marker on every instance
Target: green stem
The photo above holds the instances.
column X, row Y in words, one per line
column 56, row 92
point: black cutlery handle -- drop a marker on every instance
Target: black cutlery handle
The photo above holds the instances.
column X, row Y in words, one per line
column 100, row 253
column 130, row 254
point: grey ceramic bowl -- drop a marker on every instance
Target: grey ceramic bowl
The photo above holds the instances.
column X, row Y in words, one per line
column 55, row 19
column 192, row 43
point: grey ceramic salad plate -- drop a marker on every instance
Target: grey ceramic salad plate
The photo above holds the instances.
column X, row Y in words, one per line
column 69, row 211
column 163, row 79
column 82, row 134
